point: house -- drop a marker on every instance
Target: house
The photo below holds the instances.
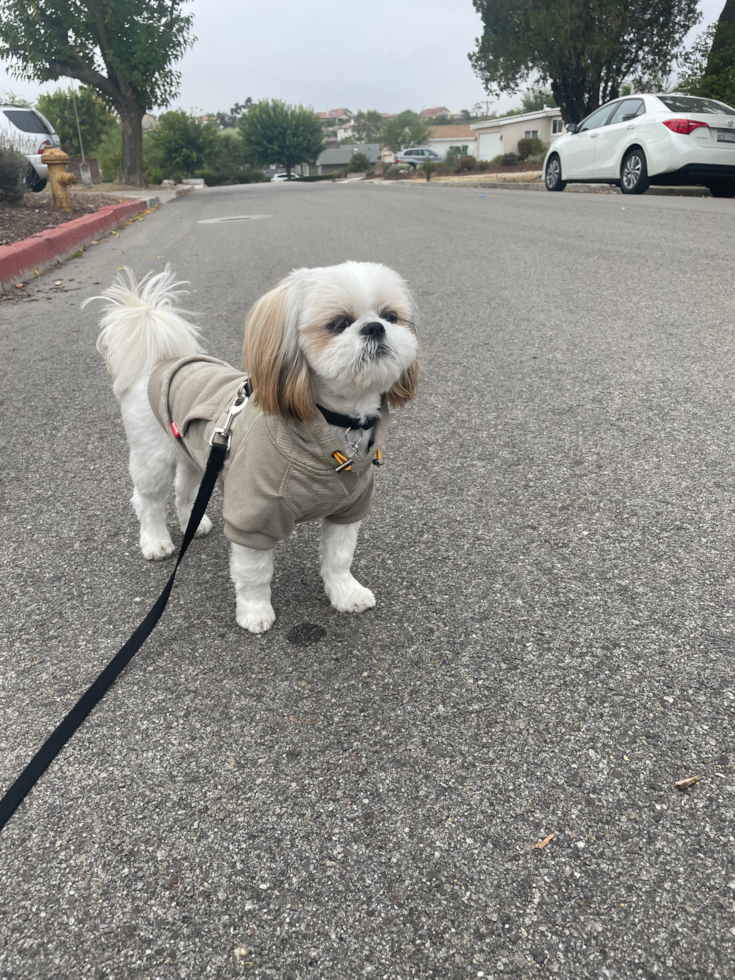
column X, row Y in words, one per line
column 332, row 119
column 444, row 137
column 440, row 110
column 336, row 158
column 149, row 121
column 345, row 131
column 496, row 136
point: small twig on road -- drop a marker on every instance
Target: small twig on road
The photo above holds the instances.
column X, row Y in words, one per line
column 686, row 783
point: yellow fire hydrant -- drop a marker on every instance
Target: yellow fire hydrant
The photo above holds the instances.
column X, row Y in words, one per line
column 59, row 178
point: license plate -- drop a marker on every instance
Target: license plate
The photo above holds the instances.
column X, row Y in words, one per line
column 725, row 136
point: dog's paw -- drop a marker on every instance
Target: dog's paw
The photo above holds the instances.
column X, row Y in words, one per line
column 256, row 617
column 205, row 526
column 349, row 596
column 155, row 549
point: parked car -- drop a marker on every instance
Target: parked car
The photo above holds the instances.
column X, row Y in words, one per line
column 31, row 133
column 277, row 178
column 414, row 156
column 641, row 140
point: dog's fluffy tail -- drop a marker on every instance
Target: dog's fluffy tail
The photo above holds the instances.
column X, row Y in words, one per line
column 141, row 325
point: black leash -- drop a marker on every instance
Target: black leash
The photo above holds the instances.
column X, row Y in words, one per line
column 97, row 690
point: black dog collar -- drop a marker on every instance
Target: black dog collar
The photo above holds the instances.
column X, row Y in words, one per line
column 344, row 420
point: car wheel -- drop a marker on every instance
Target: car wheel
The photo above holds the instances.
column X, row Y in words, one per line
column 553, row 175
column 34, row 182
column 634, row 173
column 722, row 188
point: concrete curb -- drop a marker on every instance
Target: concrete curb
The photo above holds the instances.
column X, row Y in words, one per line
column 39, row 252
column 508, row 185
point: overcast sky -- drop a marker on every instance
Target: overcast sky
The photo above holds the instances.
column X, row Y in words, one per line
column 386, row 55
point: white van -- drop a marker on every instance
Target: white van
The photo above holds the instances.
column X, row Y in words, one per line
column 31, row 133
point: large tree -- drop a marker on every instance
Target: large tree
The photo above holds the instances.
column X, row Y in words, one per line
column 274, row 132
column 122, row 48
column 708, row 68
column 406, row 129
column 182, row 143
column 584, row 49
column 368, row 126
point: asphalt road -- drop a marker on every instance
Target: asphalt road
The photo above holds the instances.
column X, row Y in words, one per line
column 551, row 651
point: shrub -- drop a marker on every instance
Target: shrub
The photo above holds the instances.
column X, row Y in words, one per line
column 13, row 169
column 528, row 146
column 252, row 177
column 358, row 164
column 483, row 165
column 452, row 156
column 152, row 175
column 396, row 168
column 428, row 167
column 508, row 159
column 466, row 163
column 536, row 157
column 525, row 147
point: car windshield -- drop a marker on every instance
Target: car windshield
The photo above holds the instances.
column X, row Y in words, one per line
column 688, row 103
column 27, row 121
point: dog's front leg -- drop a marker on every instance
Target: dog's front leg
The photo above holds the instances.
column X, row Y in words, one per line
column 252, row 571
column 336, row 549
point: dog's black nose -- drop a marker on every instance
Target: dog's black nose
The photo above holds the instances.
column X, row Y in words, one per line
column 374, row 329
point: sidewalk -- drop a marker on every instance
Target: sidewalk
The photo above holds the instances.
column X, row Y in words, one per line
column 539, row 185
column 34, row 255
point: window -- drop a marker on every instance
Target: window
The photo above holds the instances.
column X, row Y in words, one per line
column 597, row 119
column 628, row 109
column 530, row 134
column 683, row 103
column 26, row 121
column 557, row 126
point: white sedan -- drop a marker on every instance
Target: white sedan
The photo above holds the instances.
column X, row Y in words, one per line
column 648, row 139
column 278, row 178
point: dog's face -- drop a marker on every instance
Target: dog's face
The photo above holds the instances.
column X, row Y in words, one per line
column 351, row 326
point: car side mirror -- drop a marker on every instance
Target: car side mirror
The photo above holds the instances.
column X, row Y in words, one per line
column 572, row 127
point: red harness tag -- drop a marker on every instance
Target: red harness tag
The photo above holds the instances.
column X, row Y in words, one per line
column 175, row 430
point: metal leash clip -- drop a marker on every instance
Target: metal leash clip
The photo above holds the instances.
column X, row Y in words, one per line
column 345, row 462
column 241, row 400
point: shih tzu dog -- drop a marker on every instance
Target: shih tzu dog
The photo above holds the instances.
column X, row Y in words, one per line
column 326, row 352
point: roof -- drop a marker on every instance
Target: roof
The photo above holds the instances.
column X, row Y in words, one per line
column 334, row 113
column 440, row 110
column 452, row 132
column 343, row 154
column 521, row 117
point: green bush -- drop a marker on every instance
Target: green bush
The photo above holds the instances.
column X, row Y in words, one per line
column 397, row 168
column 483, row 165
column 452, row 156
column 358, row 164
column 428, row 168
column 528, row 146
column 13, row 169
column 536, row 157
column 466, row 163
column 109, row 155
column 508, row 159
column 251, row 177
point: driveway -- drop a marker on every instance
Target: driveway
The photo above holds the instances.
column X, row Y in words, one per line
column 551, row 651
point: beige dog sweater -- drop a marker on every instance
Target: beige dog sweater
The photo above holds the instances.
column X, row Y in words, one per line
column 278, row 472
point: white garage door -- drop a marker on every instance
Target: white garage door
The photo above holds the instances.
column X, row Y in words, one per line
column 490, row 146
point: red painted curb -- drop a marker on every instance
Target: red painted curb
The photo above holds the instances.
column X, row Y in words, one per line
column 21, row 259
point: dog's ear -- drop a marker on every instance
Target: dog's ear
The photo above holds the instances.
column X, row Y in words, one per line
column 278, row 370
column 405, row 388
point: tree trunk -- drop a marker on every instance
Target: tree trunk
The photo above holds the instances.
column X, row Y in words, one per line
column 572, row 100
column 724, row 35
column 131, row 121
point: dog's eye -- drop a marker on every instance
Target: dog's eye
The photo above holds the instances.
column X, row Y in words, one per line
column 338, row 325
column 390, row 316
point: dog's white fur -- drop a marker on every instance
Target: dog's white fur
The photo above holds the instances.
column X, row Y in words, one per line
column 303, row 345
